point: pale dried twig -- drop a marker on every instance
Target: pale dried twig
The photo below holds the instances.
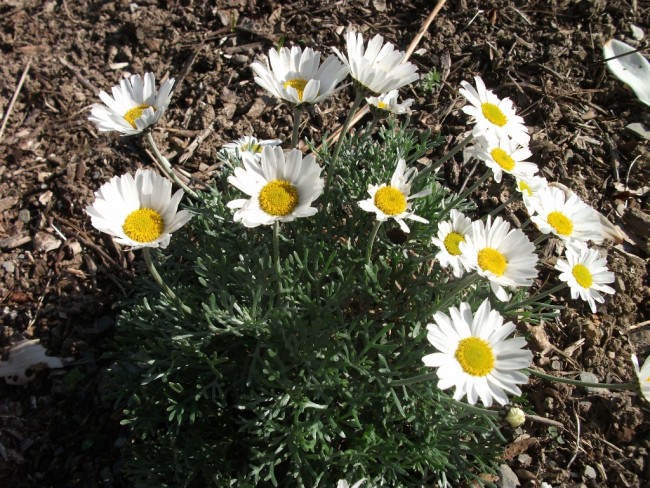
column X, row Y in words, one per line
column 10, row 107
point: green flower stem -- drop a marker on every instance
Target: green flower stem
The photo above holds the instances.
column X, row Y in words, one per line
column 503, row 205
column 586, row 384
column 146, row 253
column 167, row 167
column 471, row 408
column 276, row 253
column 461, row 145
column 415, row 379
column 535, row 298
column 371, row 241
column 297, row 112
column 360, row 97
column 463, row 195
column 371, row 126
column 541, row 239
column 433, row 376
column 459, row 286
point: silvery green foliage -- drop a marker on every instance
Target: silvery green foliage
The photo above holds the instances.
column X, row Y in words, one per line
column 289, row 385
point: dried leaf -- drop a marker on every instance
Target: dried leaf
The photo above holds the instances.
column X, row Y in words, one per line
column 26, row 355
column 518, row 447
column 630, row 67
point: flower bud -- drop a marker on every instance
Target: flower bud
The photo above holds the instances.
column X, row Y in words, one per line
column 515, row 417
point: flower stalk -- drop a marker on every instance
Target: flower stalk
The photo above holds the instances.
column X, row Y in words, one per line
column 458, row 286
column 360, row 96
column 459, row 147
column 535, row 298
column 585, row 384
column 146, row 253
column 371, row 240
column 276, row 254
column 463, row 195
column 297, row 112
column 167, row 167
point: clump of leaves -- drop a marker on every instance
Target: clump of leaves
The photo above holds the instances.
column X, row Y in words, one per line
column 285, row 379
column 430, row 82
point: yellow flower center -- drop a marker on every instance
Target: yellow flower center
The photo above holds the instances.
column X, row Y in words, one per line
column 253, row 147
column 382, row 105
column 525, row 187
column 475, row 356
column 560, row 223
column 452, row 241
column 390, row 200
column 494, row 114
column 143, row 225
column 299, row 84
column 582, row 275
column 492, row 260
column 135, row 113
column 503, row 159
column 278, row 198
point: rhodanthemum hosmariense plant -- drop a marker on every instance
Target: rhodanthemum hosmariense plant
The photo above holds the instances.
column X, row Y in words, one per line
column 289, row 344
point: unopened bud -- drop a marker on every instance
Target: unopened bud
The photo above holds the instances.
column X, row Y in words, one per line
column 515, row 417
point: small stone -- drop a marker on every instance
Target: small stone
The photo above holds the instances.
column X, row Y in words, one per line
column 44, row 242
column 9, row 267
column 14, row 241
column 508, row 477
column 75, row 247
column 240, row 59
column 590, row 473
column 43, row 176
column 24, row 216
column 45, row 198
column 524, row 459
column 589, row 377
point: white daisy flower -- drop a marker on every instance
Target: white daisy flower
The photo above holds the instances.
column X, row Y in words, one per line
column 586, row 273
column 281, row 187
column 134, row 106
column 502, row 255
column 529, row 186
column 294, row 75
column 138, row 212
column 475, row 357
column 491, row 114
column 643, row 375
column 393, row 201
column 388, row 102
column 504, row 155
column 566, row 216
column 249, row 146
column 379, row 68
column 450, row 234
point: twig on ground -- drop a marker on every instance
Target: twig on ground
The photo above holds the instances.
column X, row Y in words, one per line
column 195, row 143
column 637, row 326
column 575, row 454
column 544, row 420
column 10, row 107
column 188, row 65
column 78, row 75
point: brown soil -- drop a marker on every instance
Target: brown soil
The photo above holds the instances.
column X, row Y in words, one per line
column 61, row 278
